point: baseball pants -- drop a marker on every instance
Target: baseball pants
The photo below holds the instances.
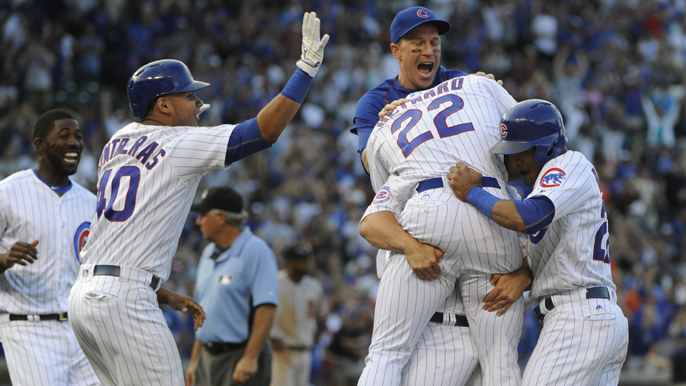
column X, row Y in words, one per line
column 44, row 353
column 122, row 330
column 291, row 368
column 583, row 342
column 405, row 304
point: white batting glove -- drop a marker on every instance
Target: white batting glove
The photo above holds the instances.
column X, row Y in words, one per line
column 312, row 47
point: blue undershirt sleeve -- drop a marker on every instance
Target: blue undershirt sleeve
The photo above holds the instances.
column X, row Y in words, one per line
column 245, row 140
column 536, row 212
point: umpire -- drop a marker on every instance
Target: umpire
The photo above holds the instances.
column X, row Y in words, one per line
column 237, row 287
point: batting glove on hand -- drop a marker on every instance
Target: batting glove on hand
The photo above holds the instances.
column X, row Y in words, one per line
column 312, row 47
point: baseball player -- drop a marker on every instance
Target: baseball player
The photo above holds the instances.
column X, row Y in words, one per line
column 301, row 304
column 585, row 335
column 148, row 175
column 413, row 149
column 44, row 223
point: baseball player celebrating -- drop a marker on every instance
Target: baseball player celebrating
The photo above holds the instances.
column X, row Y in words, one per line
column 585, row 335
column 44, row 222
column 456, row 120
column 148, row 175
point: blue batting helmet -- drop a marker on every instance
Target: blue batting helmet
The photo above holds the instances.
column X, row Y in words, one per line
column 534, row 122
column 159, row 78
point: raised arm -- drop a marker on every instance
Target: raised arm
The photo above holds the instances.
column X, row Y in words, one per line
column 274, row 117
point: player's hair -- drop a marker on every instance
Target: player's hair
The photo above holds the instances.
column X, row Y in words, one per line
column 297, row 252
column 46, row 122
column 232, row 218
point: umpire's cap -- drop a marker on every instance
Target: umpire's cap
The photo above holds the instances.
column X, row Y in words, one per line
column 220, row 197
column 409, row 18
column 166, row 76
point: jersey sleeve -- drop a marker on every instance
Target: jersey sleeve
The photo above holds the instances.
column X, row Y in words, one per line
column 3, row 217
column 366, row 117
column 197, row 150
column 263, row 286
column 391, row 197
column 568, row 187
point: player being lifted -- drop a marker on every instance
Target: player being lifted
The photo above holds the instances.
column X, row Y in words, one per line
column 585, row 335
column 148, row 175
column 420, row 220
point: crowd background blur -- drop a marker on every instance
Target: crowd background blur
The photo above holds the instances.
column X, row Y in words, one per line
column 615, row 68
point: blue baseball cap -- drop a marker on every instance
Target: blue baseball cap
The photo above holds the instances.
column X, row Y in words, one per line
column 409, row 18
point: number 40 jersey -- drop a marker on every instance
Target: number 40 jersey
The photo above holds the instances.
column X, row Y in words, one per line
column 465, row 123
column 147, row 179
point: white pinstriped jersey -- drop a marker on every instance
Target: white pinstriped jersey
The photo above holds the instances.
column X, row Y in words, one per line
column 30, row 210
column 466, row 116
column 147, row 179
column 295, row 321
column 572, row 252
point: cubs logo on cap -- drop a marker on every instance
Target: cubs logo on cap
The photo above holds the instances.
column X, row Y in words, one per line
column 553, row 178
column 411, row 17
column 384, row 194
column 503, row 130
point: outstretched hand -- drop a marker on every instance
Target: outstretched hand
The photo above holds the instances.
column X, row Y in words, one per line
column 20, row 253
column 312, row 46
column 489, row 76
column 183, row 304
column 462, row 178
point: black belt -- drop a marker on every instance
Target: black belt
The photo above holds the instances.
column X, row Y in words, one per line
column 115, row 270
column 61, row 317
column 434, row 183
column 216, row 348
column 460, row 321
column 591, row 293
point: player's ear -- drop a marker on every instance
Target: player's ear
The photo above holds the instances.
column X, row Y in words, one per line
column 395, row 49
column 163, row 104
column 40, row 145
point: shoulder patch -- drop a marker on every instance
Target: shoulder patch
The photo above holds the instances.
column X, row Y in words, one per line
column 553, row 178
column 384, row 194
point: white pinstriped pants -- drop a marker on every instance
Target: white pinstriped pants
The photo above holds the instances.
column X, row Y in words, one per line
column 44, row 353
column 583, row 342
column 122, row 330
column 405, row 303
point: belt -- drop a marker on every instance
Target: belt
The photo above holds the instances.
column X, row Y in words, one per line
column 216, row 348
column 460, row 321
column 591, row 293
column 437, row 182
column 115, row 270
column 61, row 317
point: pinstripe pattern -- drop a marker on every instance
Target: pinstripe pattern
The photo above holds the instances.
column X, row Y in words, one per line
column 164, row 195
column 470, row 241
column 122, row 330
column 117, row 320
column 444, row 355
column 563, row 266
column 41, row 353
column 563, row 260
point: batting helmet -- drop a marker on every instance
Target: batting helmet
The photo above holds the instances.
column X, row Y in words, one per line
column 159, row 78
column 534, row 122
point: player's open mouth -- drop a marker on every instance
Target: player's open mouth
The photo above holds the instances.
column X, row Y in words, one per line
column 71, row 157
column 425, row 68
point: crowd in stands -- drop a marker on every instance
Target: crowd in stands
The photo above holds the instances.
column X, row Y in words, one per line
column 614, row 68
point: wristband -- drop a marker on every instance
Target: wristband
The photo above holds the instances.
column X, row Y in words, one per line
column 482, row 201
column 297, row 86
